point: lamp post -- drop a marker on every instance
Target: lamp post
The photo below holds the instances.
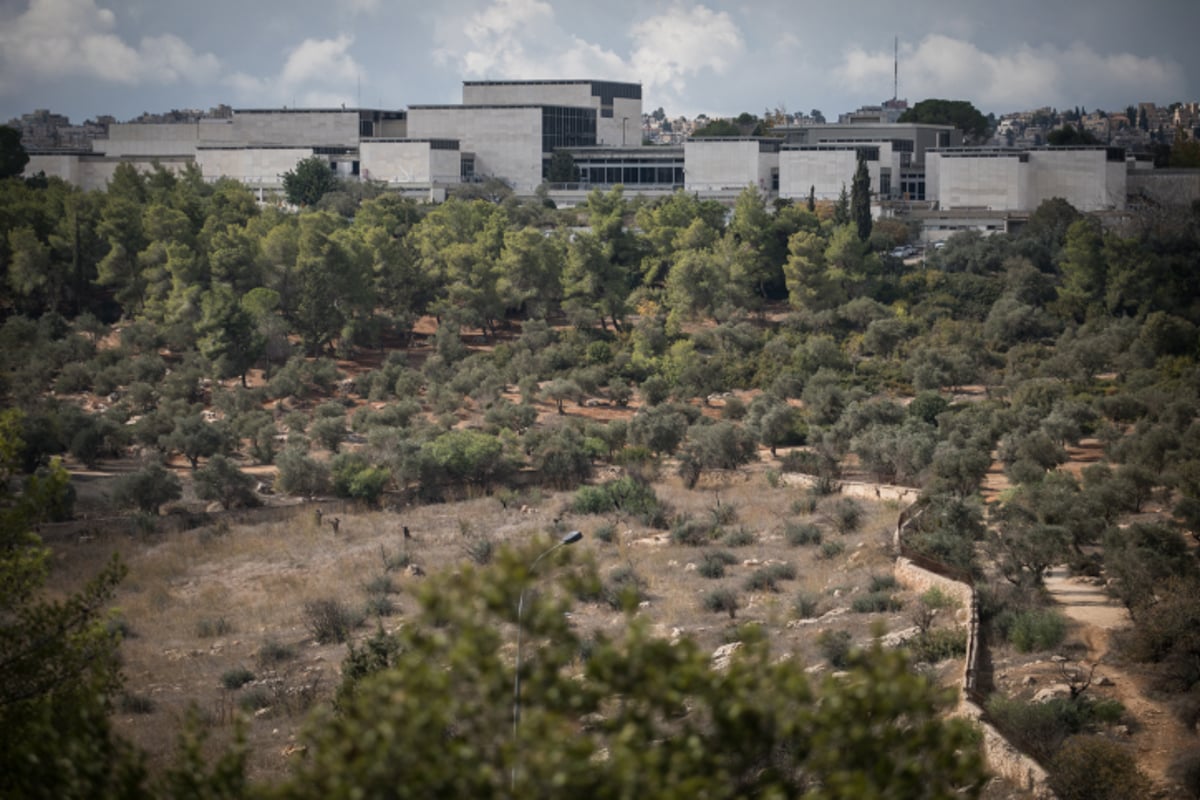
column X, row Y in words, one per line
column 570, row 538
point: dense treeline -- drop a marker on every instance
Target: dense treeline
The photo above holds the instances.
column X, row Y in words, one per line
column 1066, row 330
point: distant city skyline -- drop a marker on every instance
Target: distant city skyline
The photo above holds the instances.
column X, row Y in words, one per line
column 84, row 58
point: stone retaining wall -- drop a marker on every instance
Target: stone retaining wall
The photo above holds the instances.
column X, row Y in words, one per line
column 1002, row 756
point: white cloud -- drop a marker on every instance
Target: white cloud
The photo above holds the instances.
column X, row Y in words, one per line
column 523, row 39
column 360, row 6
column 683, row 42
column 320, row 61
column 316, row 72
column 1020, row 77
column 55, row 39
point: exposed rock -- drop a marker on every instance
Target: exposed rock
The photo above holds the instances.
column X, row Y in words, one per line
column 1029, row 680
column 722, row 655
column 1052, row 692
column 1104, row 680
column 414, row 571
column 898, row 638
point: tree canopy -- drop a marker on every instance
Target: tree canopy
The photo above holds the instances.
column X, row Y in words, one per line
column 962, row 114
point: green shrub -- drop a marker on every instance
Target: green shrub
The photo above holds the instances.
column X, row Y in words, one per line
column 380, row 605
column 724, row 514
column 1041, row 728
column 130, row 703
column 480, row 549
column 1096, row 768
column 836, row 647
column 739, row 537
column 881, row 583
column 255, row 699
column 330, row 620
column 805, row 503
column 831, row 549
column 624, row 494
column 875, row 602
column 934, row 597
column 624, row 588
column 766, row 579
column 712, row 564
column 1032, row 630
column 380, row 584
column 806, row 605
column 693, row 532
column 938, row 644
column 723, row 600
column 236, row 678
column 802, row 533
column 207, row 628
column 606, row 533
column 846, row 514
column 274, row 652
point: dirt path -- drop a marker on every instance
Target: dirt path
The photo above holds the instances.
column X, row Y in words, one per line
column 1157, row 736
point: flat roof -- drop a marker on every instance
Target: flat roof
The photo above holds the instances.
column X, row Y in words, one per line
column 550, row 82
column 485, row 107
column 285, row 110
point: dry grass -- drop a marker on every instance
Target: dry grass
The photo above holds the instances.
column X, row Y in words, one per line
column 205, row 602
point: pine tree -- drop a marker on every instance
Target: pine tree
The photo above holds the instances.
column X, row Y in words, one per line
column 860, row 200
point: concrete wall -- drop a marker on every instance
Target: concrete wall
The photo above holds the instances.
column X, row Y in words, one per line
column 1081, row 177
column 507, row 142
column 93, row 172
column 251, row 165
column 726, row 164
column 301, row 128
column 993, row 182
column 611, row 131
column 411, row 162
column 823, row 171
column 1168, row 187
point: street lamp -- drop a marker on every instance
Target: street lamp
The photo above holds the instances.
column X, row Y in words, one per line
column 570, row 538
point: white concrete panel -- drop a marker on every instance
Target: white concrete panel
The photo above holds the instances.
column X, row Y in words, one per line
column 507, row 142
column 713, row 164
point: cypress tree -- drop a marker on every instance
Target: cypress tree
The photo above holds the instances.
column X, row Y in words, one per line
column 860, row 201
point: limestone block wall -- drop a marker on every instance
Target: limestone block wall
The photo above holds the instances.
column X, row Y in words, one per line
column 1002, row 757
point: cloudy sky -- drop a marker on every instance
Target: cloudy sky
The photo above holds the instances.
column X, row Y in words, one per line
column 720, row 57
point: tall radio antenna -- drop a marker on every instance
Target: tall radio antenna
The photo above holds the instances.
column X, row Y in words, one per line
column 896, row 68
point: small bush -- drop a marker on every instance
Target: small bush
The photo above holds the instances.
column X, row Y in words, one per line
column 712, row 564
column 1186, row 770
column 623, row 588
column 380, row 605
column 1041, row 728
column 846, row 514
column 330, row 620
column 805, row 503
column 740, row 537
column 275, row 652
column 836, row 647
column 693, row 532
column 882, row 583
column 938, row 644
column 935, row 598
column 207, row 628
column 135, row 704
column 724, row 514
column 1033, row 629
column 480, row 549
column 255, row 699
column 606, row 533
column 802, row 533
column 394, row 561
column 236, row 678
column 723, row 600
column 380, row 584
column 806, row 605
column 1096, row 768
column 875, row 602
column 831, row 549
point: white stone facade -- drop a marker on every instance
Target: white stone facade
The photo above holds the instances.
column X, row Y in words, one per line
column 400, row 162
column 506, row 141
column 721, row 164
column 618, row 121
column 1021, row 180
